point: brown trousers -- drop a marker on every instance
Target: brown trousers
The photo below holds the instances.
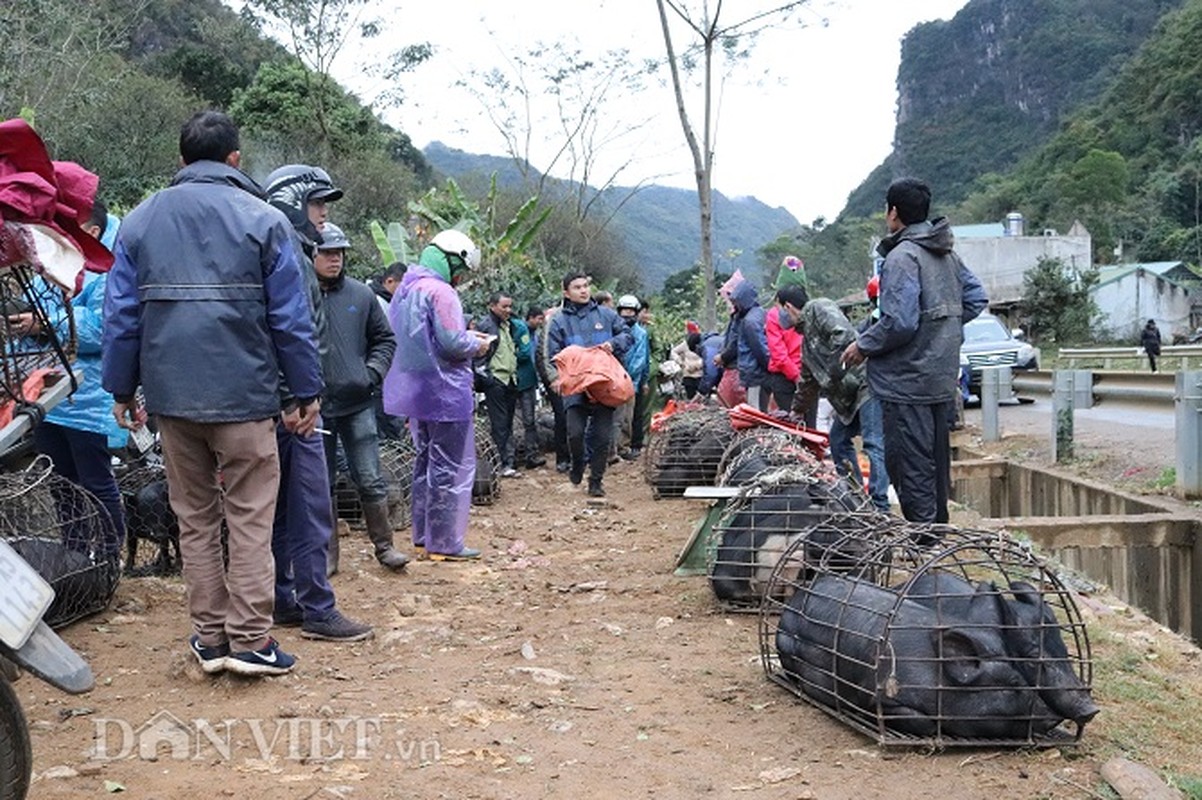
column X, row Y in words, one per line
column 229, row 470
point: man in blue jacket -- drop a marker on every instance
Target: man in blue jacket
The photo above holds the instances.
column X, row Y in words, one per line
column 582, row 322
column 205, row 306
column 913, row 349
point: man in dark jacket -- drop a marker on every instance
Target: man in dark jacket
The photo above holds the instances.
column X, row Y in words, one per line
column 913, row 350
column 205, row 305
column 303, row 541
column 747, row 344
column 582, row 322
column 361, row 349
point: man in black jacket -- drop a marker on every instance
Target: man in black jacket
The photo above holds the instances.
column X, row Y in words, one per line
column 360, row 352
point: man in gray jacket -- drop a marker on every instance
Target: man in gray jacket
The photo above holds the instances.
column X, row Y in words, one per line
column 360, row 352
column 913, row 350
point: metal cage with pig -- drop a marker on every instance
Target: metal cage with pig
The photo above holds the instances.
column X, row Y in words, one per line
column 486, row 487
column 686, row 450
column 934, row 636
column 773, row 512
column 396, row 467
column 66, row 535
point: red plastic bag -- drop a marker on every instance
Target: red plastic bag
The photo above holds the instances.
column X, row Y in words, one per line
column 595, row 373
column 730, row 392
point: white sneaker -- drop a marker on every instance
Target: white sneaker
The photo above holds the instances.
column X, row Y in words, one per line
column 510, row 472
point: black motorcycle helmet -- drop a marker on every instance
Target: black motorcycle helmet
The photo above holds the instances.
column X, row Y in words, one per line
column 292, row 187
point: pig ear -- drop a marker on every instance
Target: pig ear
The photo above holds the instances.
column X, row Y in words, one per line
column 1026, row 593
column 959, row 653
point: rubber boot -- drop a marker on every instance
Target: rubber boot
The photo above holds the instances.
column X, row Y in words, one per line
column 379, row 530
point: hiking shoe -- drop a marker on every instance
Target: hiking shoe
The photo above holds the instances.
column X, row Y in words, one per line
column 535, row 463
column 212, row 659
column 466, row 554
column 336, row 628
column 595, row 490
column 288, row 618
column 270, row 660
column 510, row 472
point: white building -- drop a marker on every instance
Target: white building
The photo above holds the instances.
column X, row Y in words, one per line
column 1128, row 295
column 1000, row 254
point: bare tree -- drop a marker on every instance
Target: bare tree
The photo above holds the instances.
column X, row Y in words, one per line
column 558, row 101
column 713, row 45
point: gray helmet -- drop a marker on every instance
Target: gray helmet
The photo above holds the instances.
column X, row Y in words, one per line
column 332, row 238
column 292, row 187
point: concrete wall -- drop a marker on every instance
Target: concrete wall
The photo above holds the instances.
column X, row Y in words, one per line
column 1148, row 555
column 1000, row 262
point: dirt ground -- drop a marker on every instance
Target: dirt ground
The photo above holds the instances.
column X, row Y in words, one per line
column 570, row 662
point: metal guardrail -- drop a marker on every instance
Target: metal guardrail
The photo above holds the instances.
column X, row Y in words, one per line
column 1152, row 387
column 1176, row 356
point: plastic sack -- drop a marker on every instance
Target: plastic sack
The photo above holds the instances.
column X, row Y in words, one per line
column 595, row 373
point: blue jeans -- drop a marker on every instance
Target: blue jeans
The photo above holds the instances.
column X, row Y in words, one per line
column 303, row 525
column 361, row 444
column 868, row 423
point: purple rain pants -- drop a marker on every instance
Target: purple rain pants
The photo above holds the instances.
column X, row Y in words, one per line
column 443, row 473
column 304, row 523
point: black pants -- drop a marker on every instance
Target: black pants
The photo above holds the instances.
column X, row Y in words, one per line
column 781, row 389
column 560, row 432
column 638, row 427
column 501, row 401
column 600, row 432
column 918, row 457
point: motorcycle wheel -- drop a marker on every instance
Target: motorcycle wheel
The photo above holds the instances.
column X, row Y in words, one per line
column 16, row 760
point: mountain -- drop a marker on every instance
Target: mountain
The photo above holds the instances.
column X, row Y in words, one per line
column 659, row 225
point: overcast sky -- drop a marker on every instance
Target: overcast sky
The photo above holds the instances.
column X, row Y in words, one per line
column 800, row 126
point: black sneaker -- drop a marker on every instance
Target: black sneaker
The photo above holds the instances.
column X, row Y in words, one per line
column 535, row 463
column 576, row 477
column 270, row 660
column 212, row 659
column 336, row 628
column 595, row 489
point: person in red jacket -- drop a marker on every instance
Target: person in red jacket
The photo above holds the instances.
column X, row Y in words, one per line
column 784, row 349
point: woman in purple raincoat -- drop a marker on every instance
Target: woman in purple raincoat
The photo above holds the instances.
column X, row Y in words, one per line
column 430, row 382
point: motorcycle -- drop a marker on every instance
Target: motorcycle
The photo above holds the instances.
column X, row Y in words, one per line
column 28, row 643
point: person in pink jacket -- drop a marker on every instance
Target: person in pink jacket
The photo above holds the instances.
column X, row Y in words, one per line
column 784, row 349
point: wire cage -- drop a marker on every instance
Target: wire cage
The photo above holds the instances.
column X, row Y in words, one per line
column 760, row 449
column 772, row 512
column 686, row 451
column 930, row 636
column 65, row 534
column 45, row 339
column 151, row 528
column 486, row 487
column 396, row 466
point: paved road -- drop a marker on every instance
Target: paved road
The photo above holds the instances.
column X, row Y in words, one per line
column 1142, row 434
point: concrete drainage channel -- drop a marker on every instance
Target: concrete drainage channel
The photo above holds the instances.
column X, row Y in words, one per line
column 1146, row 552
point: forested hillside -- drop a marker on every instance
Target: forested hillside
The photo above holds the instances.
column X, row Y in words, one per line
column 978, row 92
column 1063, row 110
